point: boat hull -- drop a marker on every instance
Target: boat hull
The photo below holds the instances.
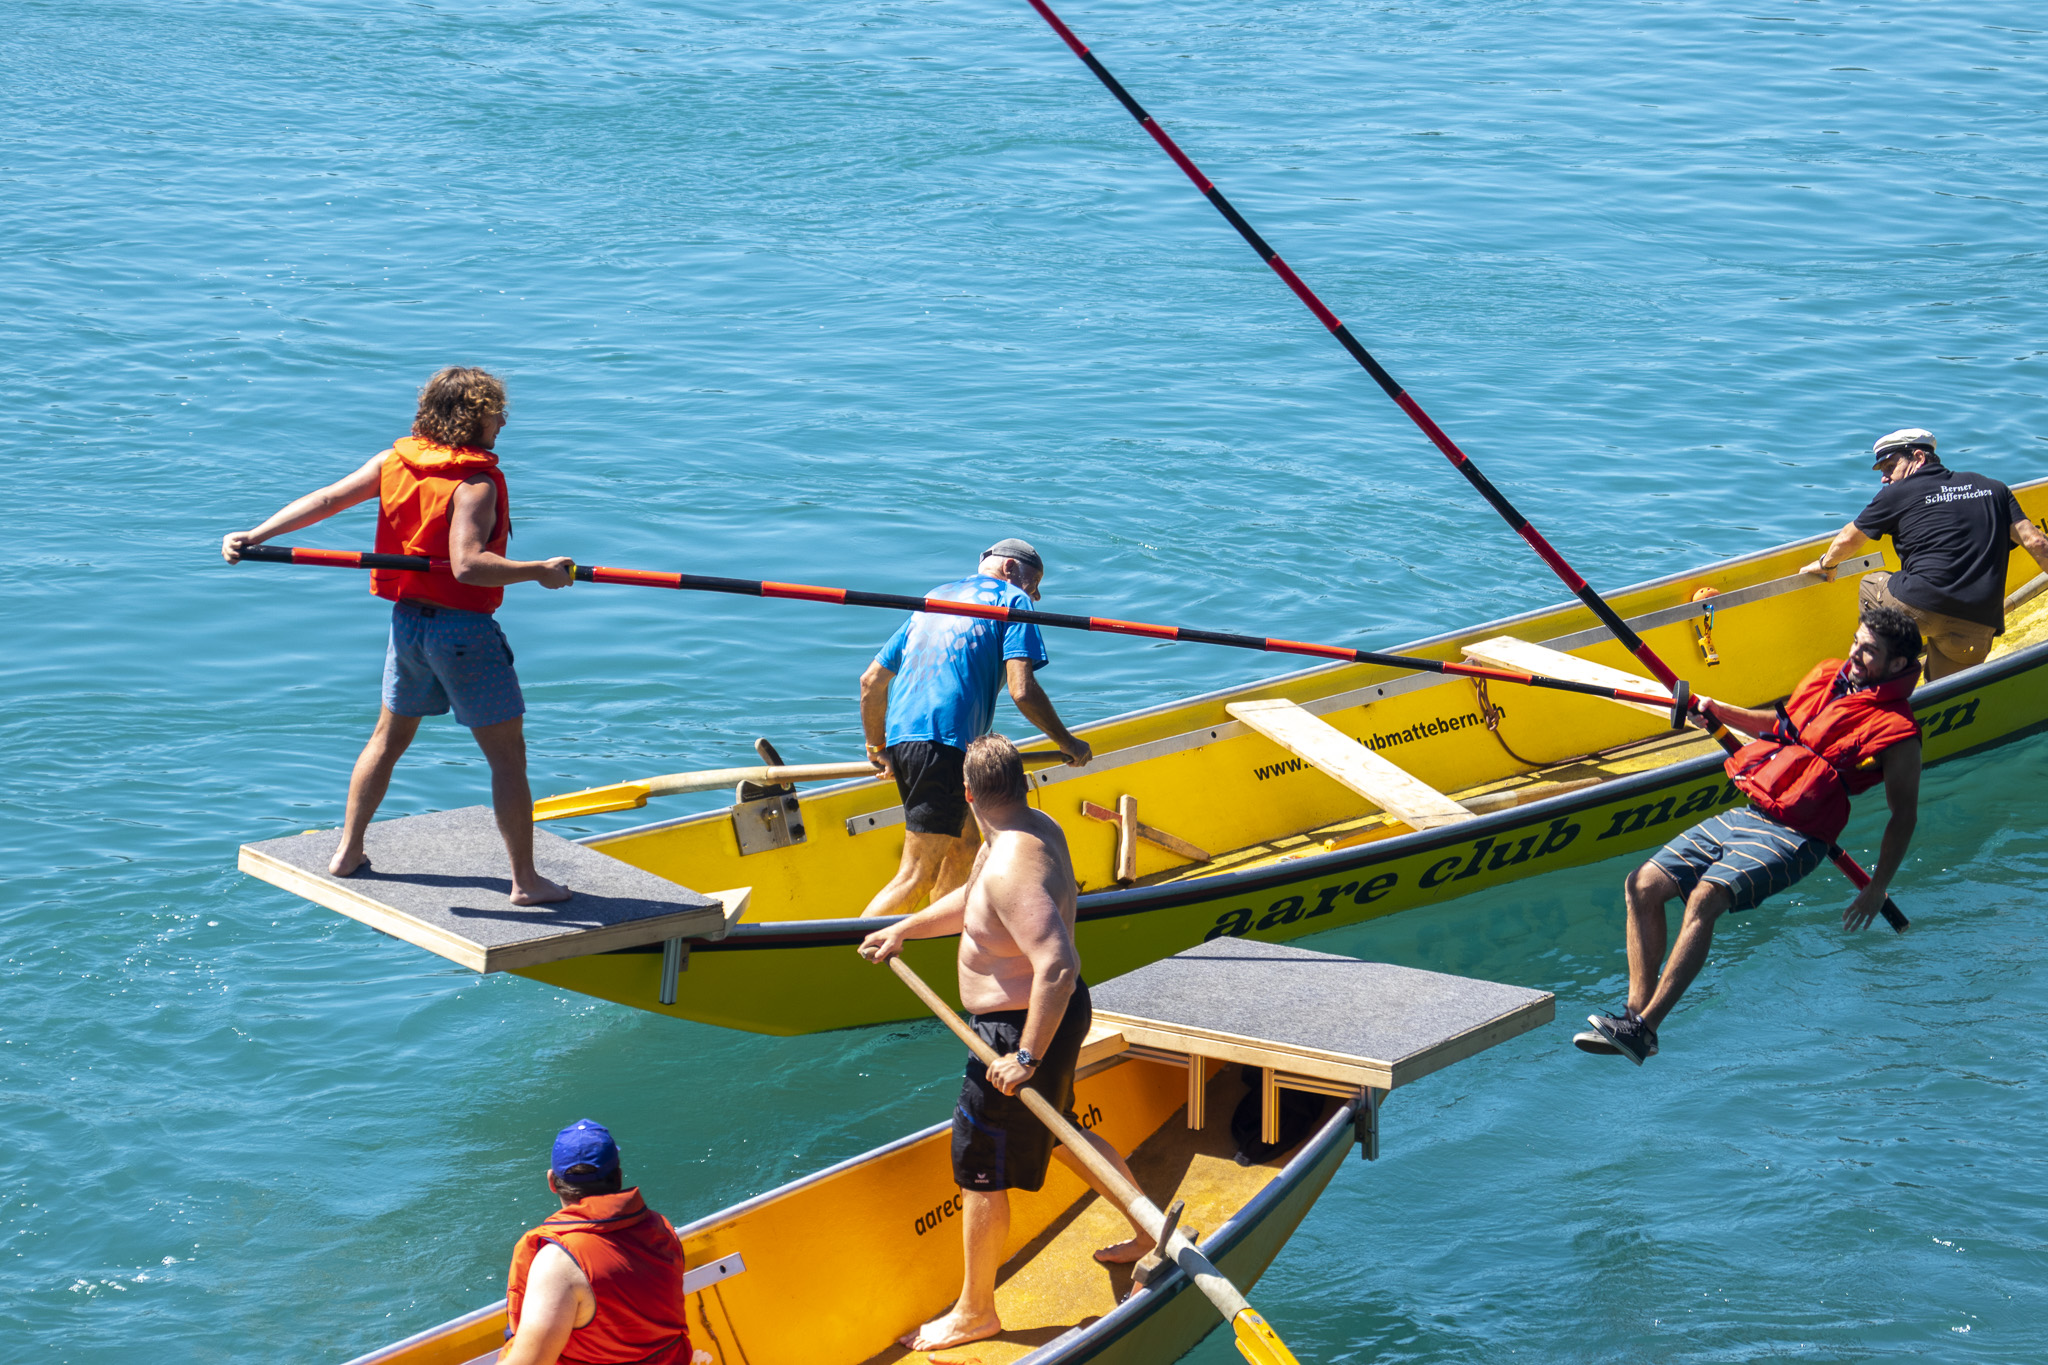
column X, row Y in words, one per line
column 797, row 977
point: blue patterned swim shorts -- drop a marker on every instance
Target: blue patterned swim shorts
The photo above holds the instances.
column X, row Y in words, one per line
column 440, row 657
column 1744, row 850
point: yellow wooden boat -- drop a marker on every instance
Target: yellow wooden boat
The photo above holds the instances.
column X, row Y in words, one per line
column 831, row 1269
column 1276, row 809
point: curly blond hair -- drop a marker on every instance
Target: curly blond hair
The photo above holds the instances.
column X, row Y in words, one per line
column 454, row 404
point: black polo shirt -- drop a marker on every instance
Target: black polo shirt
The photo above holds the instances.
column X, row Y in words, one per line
column 1953, row 532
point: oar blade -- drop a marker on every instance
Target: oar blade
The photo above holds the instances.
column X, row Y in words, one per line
column 1257, row 1342
column 595, row 801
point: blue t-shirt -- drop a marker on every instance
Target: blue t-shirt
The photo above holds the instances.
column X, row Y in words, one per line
column 948, row 667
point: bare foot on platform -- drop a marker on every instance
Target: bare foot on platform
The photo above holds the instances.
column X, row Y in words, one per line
column 951, row 1330
column 539, row 891
column 1126, row 1253
column 346, row 860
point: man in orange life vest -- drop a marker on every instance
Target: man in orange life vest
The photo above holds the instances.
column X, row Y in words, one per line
column 1846, row 727
column 601, row 1281
column 440, row 494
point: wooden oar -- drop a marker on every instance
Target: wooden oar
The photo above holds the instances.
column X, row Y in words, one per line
column 1257, row 1342
column 2026, row 592
column 633, row 795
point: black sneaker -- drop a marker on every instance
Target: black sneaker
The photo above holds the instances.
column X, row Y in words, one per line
column 1627, row 1034
column 1589, row 1041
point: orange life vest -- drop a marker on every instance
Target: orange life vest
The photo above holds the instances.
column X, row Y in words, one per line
column 413, row 503
column 1804, row 779
column 634, row 1263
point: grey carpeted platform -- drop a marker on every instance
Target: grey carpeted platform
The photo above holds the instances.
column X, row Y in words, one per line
column 1308, row 1006
column 441, row 881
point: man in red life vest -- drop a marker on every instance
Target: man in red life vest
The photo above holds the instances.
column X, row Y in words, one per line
column 1846, row 727
column 601, row 1281
column 440, row 494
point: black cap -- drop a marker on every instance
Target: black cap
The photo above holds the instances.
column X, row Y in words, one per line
column 1013, row 548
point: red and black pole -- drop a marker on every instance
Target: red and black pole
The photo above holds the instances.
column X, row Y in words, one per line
column 1606, row 614
column 1679, row 703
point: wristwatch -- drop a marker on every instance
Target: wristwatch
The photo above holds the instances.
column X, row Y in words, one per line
column 1026, row 1060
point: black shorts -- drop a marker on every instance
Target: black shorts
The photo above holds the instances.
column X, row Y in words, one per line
column 998, row 1144
column 932, row 779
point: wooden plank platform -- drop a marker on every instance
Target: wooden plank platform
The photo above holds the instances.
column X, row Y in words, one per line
column 440, row 882
column 1343, row 759
column 1314, row 1014
column 1505, row 651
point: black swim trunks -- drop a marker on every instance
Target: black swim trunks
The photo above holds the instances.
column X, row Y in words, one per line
column 998, row 1144
column 932, row 778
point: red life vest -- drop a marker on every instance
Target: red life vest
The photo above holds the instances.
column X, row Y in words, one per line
column 1805, row 780
column 634, row 1263
column 413, row 503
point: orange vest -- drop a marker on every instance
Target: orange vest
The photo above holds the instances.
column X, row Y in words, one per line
column 634, row 1263
column 1805, row 780
column 413, row 497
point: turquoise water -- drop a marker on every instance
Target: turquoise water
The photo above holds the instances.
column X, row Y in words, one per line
column 839, row 292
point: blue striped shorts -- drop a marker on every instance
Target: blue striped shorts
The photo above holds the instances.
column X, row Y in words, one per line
column 1747, row 852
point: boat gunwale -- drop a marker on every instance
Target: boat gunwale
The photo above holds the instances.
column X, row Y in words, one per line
column 1457, row 636
column 428, row 1336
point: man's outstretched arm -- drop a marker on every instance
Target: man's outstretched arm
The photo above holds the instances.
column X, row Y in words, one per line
column 316, row 506
column 1847, row 544
column 472, row 516
column 1038, row 709
column 1902, row 794
column 944, row 916
column 1746, row 719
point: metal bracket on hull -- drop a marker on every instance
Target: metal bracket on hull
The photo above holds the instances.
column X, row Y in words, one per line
column 1366, row 1123
column 675, row 960
column 768, row 823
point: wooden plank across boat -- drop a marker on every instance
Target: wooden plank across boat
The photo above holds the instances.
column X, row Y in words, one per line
column 770, row 1281
column 1295, row 849
column 439, row 881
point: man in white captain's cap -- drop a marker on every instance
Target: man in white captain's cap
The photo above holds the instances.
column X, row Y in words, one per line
column 1954, row 533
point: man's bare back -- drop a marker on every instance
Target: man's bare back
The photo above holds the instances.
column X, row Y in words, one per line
column 1021, row 883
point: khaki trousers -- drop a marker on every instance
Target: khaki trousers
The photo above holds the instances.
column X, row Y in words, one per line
column 1953, row 644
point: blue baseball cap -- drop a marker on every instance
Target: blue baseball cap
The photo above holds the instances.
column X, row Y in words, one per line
column 584, row 1143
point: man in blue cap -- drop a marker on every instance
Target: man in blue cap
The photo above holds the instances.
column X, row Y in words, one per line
column 930, row 693
column 1954, row 532
column 600, row 1281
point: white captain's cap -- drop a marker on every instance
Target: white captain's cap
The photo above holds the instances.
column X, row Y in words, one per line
column 1900, row 441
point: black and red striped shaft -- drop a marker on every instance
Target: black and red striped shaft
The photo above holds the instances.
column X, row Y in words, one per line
column 940, row 606
column 1581, row 589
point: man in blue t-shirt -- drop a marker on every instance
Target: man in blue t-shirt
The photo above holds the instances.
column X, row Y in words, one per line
column 1954, row 532
column 930, row 693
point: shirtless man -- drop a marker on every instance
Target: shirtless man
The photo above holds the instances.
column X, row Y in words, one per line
column 1020, row 978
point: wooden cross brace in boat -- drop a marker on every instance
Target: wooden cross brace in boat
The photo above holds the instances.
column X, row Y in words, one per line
column 1130, row 829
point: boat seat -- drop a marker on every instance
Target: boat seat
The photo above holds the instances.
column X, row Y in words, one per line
column 1505, row 651
column 1345, row 761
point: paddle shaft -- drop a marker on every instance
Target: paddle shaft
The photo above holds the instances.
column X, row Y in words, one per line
column 939, row 606
column 1581, row 589
column 1219, row 1290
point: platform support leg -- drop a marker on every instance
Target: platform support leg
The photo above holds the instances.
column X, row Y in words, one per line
column 1269, row 1105
column 675, row 960
column 1366, row 1123
column 1198, row 1092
